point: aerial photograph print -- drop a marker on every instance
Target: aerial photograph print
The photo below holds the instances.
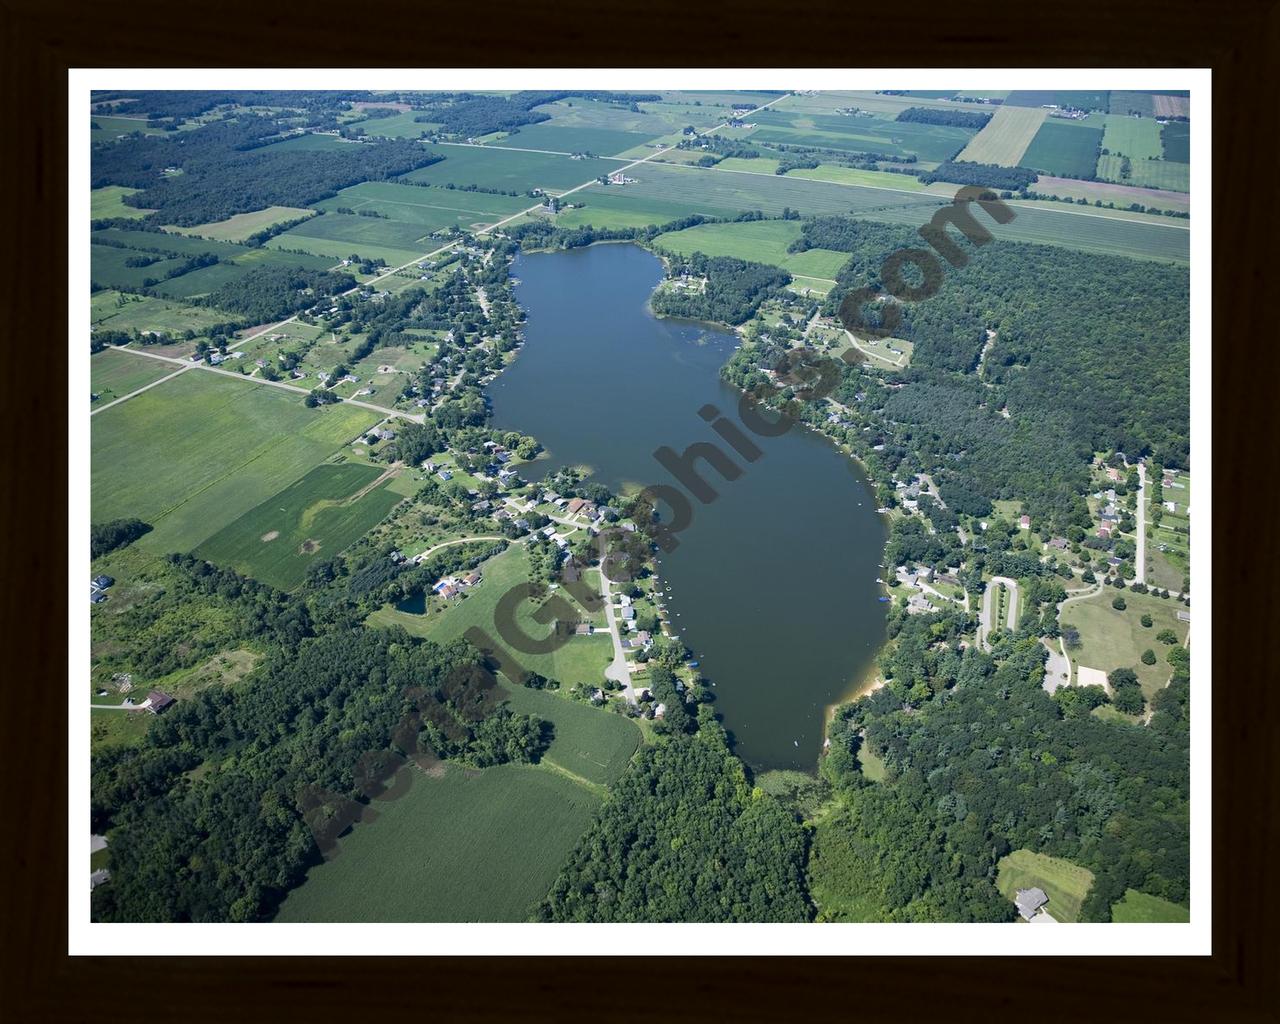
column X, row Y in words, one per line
column 553, row 504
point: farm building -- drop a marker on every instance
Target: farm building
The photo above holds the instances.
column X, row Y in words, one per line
column 157, row 701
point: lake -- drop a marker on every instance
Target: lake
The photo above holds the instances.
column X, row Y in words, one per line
column 773, row 583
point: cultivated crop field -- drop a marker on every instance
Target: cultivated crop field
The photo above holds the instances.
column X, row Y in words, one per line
column 316, row 517
column 113, row 373
column 1175, row 137
column 1135, row 137
column 1080, row 99
column 1108, row 192
column 561, row 139
column 1004, row 138
column 860, row 134
column 1161, row 174
column 464, row 846
column 146, row 313
column 195, row 453
column 1066, row 149
column 593, row 743
column 761, row 241
column 1065, row 884
column 509, row 169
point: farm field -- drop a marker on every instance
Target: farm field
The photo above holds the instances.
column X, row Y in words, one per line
column 1135, row 137
column 398, row 126
column 1091, row 99
column 428, row 208
column 1108, row 192
column 197, row 452
column 316, row 517
column 561, row 139
column 120, row 311
column 1065, row 149
column 464, row 846
column 243, row 225
column 580, row 660
column 594, row 743
column 105, row 128
column 1065, row 884
column 313, row 141
column 761, row 241
column 1175, row 139
column 1139, row 908
column 1161, row 174
column 1004, row 138
column 113, row 373
column 509, row 169
column 860, row 134
column 851, row 176
column 1111, row 639
column 109, row 267
column 109, row 202
column 1171, row 105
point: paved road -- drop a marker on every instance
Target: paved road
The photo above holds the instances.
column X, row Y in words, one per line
column 1140, row 560
column 450, row 543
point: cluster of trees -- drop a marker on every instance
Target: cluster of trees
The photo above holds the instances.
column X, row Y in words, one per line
column 684, row 837
column 966, row 172
column 182, row 104
column 106, row 537
column 974, row 119
column 986, row 764
column 228, row 167
column 271, row 293
column 735, row 289
column 332, row 709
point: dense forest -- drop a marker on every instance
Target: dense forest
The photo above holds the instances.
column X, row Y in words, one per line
column 735, row 289
column 229, row 167
column 684, row 837
column 272, row 293
column 985, row 763
column 289, row 759
column 975, row 119
column 965, row 172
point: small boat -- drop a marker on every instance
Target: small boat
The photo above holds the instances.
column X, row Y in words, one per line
column 882, row 599
column 879, row 580
column 796, row 742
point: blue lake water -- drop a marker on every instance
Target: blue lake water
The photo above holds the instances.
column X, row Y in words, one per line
column 772, row 585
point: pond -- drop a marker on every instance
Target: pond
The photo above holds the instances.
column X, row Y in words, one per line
column 772, row 585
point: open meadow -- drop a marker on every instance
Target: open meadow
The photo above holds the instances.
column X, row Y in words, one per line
column 761, row 241
column 1139, row 908
column 1111, row 639
column 1065, row 884
column 316, row 517
column 593, row 743
column 195, row 453
column 243, row 225
column 458, row 846
column 108, row 201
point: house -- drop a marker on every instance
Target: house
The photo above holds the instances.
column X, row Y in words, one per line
column 444, row 474
column 924, row 572
column 1059, row 543
column 1029, row 901
column 103, row 582
column 397, row 557
column 157, row 701
column 919, row 605
column 629, row 613
column 549, row 531
column 575, row 506
column 625, row 600
column 1104, row 530
column 1112, row 474
column 96, row 596
column 643, row 637
column 1024, row 523
column 659, row 711
column 583, row 629
column 1184, row 616
column 1171, row 506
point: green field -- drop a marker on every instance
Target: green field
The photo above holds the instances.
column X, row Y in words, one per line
column 244, row 225
column 1125, row 103
column 316, row 517
column 469, row 846
column 398, row 126
column 1175, row 139
column 122, row 312
column 1066, row 149
column 581, row 659
column 194, row 454
column 1112, row 639
column 559, row 139
column 1109, row 192
column 860, row 134
column 1080, row 99
column 1005, row 137
column 108, row 267
column 593, row 743
column 1135, row 137
column 1105, row 231
column 107, row 129
column 845, row 175
column 509, row 169
column 1139, row 908
column 113, row 373
column 1065, row 884
column 1163, row 174
column 761, row 241
column 108, row 201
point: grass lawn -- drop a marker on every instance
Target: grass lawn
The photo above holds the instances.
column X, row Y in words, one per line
column 872, row 764
column 1112, row 639
column 195, row 453
column 243, row 225
column 762, row 241
column 593, row 743
column 117, row 728
column 1065, row 884
column 316, row 517
column 582, row 659
column 108, row 201
column 467, row 846
column 113, row 373
column 1139, row 908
